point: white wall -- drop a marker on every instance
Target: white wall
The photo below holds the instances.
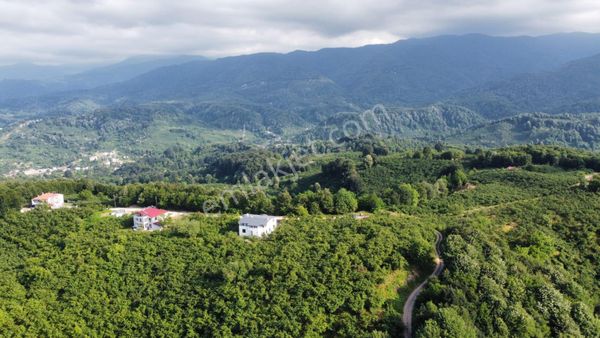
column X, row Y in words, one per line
column 257, row 231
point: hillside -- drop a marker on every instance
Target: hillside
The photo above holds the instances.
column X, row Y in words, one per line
column 458, row 89
column 58, row 141
column 318, row 84
column 410, row 72
column 581, row 131
column 430, row 122
column 24, row 84
column 135, row 131
column 574, row 87
column 519, row 248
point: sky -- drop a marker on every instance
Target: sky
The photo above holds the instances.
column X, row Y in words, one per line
column 91, row 31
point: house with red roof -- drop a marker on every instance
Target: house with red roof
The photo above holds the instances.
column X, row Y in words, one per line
column 149, row 219
column 51, row 199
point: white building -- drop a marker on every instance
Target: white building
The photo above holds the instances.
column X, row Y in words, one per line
column 257, row 225
column 53, row 200
column 149, row 219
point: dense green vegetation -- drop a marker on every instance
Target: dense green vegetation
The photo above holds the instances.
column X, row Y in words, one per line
column 526, row 269
column 132, row 131
column 520, row 228
column 575, row 130
column 70, row 273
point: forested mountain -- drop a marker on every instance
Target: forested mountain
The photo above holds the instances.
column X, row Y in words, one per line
column 317, row 84
column 574, row 87
column 433, row 121
column 455, row 88
column 575, row 130
column 124, row 70
column 409, row 72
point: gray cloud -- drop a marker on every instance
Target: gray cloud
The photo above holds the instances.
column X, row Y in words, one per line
column 64, row 31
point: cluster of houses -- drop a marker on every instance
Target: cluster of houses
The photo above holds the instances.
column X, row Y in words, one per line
column 151, row 218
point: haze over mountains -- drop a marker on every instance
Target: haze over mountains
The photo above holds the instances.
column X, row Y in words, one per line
column 439, row 88
column 475, row 70
column 28, row 80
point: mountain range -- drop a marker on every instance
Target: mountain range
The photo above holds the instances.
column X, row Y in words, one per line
column 433, row 88
column 30, row 80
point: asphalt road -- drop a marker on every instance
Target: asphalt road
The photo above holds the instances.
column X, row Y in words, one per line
column 410, row 301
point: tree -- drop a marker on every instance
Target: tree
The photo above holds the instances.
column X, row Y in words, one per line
column 345, row 201
column 9, row 199
column 427, row 153
column 345, row 170
column 426, row 191
column 284, row 203
column 457, row 180
column 407, row 195
column 448, row 323
column 594, row 185
column 325, row 198
column 260, row 203
column 370, row 202
column 368, row 161
column 441, row 186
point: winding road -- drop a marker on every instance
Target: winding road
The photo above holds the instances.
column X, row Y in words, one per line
column 410, row 301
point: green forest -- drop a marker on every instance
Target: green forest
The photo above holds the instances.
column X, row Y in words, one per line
column 520, row 229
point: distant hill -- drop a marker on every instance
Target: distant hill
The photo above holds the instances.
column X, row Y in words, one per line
column 16, row 89
column 432, row 122
column 125, row 70
column 410, row 72
column 33, row 81
column 575, row 130
column 574, row 87
column 470, row 89
column 317, row 85
column 30, row 71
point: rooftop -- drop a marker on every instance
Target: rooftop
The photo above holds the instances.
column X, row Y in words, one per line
column 251, row 219
column 151, row 212
column 46, row 196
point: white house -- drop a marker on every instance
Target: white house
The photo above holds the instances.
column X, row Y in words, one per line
column 257, row 225
column 53, row 200
column 149, row 219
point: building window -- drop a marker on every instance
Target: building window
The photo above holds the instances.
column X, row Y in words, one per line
column 244, row 230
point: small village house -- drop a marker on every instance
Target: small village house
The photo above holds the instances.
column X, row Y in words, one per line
column 149, row 219
column 51, row 199
column 257, row 225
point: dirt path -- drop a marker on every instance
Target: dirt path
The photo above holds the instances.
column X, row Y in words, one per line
column 410, row 301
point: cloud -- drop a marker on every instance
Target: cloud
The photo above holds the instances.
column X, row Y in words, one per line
column 66, row 31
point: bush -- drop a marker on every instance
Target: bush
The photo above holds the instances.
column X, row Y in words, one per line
column 345, row 201
column 370, row 202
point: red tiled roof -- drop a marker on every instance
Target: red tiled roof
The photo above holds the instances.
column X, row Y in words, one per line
column 151, row 212
column 46, row 196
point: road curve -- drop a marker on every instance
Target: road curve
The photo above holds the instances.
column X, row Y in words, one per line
column 410, row 301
